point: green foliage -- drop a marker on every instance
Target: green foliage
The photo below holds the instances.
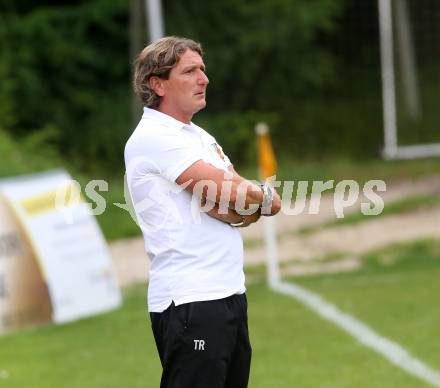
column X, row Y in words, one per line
column 424, row 128
column 260, row 54
column 264, row 56
column 300, row 65
column 235, row 132
column 32, row 153
column 66, row 66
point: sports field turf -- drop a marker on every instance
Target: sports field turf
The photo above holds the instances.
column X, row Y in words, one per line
column 395, row 293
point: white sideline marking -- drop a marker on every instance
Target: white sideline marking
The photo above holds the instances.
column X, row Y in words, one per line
column 389, row 349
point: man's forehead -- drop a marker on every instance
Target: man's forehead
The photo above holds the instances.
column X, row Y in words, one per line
column 190, row 57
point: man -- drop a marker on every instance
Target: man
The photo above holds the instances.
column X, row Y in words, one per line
column 196, row 294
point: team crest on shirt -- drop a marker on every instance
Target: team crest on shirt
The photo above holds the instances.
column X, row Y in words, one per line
column 219, row 151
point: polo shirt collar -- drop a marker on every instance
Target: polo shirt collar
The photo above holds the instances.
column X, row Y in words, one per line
column 165, row 119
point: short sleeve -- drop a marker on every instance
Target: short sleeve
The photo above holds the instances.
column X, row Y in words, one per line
column 167, row 153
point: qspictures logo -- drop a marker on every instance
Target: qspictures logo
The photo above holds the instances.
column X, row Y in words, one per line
column 148, row 193
column 297, row 197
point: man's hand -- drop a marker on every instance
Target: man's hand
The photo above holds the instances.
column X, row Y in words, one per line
column 232, row 217
column 276, row 200
column 276, row 203
column 250, row 219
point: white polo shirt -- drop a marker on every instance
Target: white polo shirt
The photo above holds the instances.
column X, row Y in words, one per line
column 194, row 257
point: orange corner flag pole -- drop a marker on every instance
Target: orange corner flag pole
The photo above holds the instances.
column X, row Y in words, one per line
column 267, row 166
column 266, row 156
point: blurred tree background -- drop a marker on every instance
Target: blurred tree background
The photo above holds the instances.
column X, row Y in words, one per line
column 310, row 68
column 64, row 71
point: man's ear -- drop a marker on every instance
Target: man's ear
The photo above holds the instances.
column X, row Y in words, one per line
column 156, row 83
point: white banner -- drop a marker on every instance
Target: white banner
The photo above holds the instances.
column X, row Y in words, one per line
column 67, row 242
column 24, row 298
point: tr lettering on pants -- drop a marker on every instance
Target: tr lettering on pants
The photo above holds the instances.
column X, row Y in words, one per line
column 199, row 344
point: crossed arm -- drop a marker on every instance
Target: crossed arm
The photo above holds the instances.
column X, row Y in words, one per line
column 233, row 217
column 230, row 197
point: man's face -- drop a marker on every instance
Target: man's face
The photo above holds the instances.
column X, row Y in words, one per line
column 184, row 92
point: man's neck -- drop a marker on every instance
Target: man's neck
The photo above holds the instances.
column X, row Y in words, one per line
column 182, row 117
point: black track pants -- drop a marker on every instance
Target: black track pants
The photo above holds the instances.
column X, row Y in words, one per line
column 204, row 344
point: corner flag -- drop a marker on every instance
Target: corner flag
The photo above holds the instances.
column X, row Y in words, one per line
column 266, row 156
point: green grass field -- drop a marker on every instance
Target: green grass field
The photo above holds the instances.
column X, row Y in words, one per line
column 395, row 293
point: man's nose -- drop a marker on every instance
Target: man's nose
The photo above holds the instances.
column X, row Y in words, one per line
column 203, row 78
